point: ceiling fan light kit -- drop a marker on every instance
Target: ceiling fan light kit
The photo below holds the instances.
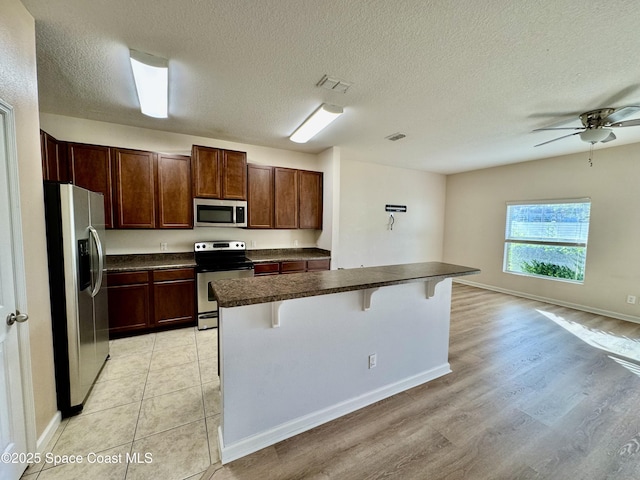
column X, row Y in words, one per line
column 595, row 135
column 598, row 125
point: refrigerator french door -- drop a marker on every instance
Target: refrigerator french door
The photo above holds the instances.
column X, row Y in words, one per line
column 77, row 280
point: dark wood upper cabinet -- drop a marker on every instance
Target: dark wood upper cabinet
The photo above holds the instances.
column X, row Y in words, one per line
column 234, row 175
column 175, row 206
column 90, row 168
column 135, row 188
column 284, row 197
column 54, row 159
column 206, row 172
column 285, row 181
column 310, row 199
column 260, row 196
column 219, row 173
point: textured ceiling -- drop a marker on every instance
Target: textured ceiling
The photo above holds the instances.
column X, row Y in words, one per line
column 466, row 81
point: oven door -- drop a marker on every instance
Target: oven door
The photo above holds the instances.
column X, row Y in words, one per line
column 207, row 306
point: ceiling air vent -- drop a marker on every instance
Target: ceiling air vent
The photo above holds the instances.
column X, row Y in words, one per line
column 395, row 137
column 333, row 84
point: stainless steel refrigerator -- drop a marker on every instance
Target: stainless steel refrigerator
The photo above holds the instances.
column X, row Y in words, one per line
column 77, row 281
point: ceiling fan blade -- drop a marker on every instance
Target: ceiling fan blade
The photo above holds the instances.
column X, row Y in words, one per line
column 620, row 96
column 559, row 138
column 610, row 138
column 558, row 128
column 622, row 112
column 626, row 123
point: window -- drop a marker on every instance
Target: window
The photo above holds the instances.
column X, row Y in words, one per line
column 547, row 239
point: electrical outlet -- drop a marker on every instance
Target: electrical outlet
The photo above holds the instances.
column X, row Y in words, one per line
column 295, row 243
column 163, row 246
column 254, row 244
column 373, row 360
column 631, row 299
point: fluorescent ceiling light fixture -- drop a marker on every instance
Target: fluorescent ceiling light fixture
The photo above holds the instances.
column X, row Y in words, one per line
column 151, row 75
column 318, row 120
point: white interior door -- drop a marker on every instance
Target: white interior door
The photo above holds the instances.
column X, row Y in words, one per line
column 13, row 443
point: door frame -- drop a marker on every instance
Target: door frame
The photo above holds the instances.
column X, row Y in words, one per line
column 20, row 282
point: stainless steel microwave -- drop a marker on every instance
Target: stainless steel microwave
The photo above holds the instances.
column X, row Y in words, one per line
column 219, row 213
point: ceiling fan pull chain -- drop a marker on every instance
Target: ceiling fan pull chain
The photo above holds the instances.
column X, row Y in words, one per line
column 591, row 155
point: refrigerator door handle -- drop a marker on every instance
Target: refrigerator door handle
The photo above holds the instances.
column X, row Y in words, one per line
column 96, row 238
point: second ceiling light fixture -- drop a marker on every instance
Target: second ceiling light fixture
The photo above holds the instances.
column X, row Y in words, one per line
column 317, row 121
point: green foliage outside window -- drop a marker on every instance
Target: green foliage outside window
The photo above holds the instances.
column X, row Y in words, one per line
column 551, row 270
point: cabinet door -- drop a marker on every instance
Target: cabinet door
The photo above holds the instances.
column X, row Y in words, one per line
column 317, row 265
column 128, row 295
column 135, row 188
column 54, row 159
column 286, row 197
column 260, row 196
column 206, row 172
column 270, row 268
column 294, row 266
column 175, row 205
column 90, row 168
column 310, row 198
column 234, row 175
column 174, row 299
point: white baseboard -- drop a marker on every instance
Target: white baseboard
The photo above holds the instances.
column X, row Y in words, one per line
column 49, row 432
column 553, row 301
column 228, row 453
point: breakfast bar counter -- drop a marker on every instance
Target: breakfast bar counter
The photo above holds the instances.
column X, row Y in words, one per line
column 238, row 292
column 302, row 349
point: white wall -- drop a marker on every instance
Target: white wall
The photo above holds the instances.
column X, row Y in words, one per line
column 18, row 88
column 278, row 382
column 475, row 224
column 364, row 237
column 328, row 239
column 148, row 241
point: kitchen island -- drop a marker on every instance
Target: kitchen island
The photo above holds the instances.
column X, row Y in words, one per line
column 302, row 349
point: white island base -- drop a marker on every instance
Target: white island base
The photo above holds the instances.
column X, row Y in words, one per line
column 287, row 367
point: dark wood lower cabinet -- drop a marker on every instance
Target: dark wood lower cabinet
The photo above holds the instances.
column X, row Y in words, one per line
column 129, row 306
column 267, row 268
column 317, row 265
column 291, row 266
column 150, row 300
column 171, row 291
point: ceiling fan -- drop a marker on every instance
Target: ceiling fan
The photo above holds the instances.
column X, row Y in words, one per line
column 598, row 125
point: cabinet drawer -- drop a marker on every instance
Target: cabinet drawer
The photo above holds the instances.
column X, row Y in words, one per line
column 293, row 267
column 313, row 265
column 173, row 274
column 267, row 268
column 127, row 278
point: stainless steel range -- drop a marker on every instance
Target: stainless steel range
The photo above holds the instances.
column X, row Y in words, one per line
column 216, row 260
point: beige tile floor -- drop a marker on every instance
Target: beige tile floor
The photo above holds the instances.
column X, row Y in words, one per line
column 158, row 397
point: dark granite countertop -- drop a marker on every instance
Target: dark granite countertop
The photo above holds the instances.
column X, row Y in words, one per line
column 149, row 261
column 287, row 254
column 249, row 291
column 159, row 261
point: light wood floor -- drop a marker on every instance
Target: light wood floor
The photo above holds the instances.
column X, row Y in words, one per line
column 527, row 399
